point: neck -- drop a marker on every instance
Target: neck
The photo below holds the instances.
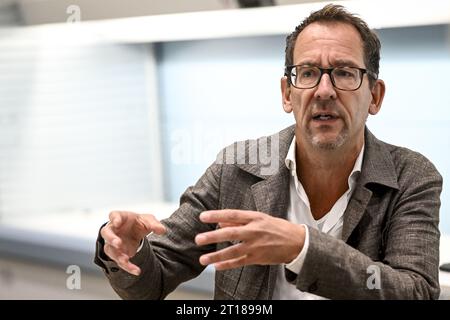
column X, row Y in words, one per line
column 325, row 162
column 324, row 173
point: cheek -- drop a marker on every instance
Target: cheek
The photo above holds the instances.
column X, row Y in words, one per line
column 356, row 107
column 299, row 104
column 366, row 103
column 361, row 109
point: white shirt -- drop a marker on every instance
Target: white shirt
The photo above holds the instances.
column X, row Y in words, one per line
column 299, row 212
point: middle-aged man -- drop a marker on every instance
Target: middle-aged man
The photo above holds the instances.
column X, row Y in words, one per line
column 342, row 216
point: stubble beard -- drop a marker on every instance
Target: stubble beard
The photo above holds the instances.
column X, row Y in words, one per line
column 328, row 145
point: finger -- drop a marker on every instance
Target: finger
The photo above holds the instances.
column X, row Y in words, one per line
column 229, row 216
column 111, row 252
column 220, row 235
column 120, row 257
column 117, row 218
column 129, row 267
column 122, row 260
column 151, row 224
column 233, row 252
column 233, row 263
column 110, row 237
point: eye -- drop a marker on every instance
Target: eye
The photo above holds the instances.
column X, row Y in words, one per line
column 307, row 72
column 345, row 73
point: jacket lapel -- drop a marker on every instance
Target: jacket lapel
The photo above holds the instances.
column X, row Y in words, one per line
column 355, row 210
column 378, row 168
column 271, row 196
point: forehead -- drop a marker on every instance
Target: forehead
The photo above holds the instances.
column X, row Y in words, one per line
column 326, row 43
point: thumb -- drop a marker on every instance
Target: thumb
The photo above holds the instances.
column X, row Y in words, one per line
column 152, row 224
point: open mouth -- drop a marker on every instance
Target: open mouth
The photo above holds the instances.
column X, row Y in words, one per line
column 324, row 117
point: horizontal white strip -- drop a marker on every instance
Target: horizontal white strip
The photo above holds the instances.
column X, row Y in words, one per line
column 231, row 23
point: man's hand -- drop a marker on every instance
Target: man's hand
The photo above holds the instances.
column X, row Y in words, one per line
column 123, row 234
column 263, row 239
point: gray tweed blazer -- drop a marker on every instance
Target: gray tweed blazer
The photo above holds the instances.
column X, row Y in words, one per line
column 390, row 231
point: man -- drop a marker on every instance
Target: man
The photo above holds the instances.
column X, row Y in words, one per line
column 343, row 216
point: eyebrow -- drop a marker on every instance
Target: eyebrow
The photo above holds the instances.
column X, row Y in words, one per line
column 337, row 63
column 345, row 63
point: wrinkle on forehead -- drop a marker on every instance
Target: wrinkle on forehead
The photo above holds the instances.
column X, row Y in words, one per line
column 329, row 43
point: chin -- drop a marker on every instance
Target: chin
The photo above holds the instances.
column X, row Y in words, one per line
column 328, row 143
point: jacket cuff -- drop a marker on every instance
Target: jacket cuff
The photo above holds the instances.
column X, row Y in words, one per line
column 318, row 264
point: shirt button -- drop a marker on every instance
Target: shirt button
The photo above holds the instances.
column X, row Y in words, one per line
column 114, row 269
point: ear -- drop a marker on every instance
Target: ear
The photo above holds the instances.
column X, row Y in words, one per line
column 377, row 97
column 286, row 95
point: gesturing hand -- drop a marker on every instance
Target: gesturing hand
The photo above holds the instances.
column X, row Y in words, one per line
column 123, row 234
column 263, row 239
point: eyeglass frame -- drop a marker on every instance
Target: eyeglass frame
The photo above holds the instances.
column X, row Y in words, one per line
column 288, row 74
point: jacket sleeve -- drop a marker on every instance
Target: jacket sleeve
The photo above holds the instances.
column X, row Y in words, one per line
column 408, row 268
column 168, row 260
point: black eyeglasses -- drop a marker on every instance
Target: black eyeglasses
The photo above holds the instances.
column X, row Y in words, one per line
column 342, row 78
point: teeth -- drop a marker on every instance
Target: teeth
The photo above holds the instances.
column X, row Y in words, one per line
column 324, row 117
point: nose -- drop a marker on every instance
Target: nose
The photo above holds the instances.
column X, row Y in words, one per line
column 325, row 89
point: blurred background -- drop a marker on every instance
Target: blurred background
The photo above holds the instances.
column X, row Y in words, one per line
column 109, row 104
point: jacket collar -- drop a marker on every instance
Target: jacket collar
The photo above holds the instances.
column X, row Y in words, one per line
column 378, row 165
column 277, row 145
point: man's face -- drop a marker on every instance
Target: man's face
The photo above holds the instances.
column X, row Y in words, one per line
column 330, row 45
